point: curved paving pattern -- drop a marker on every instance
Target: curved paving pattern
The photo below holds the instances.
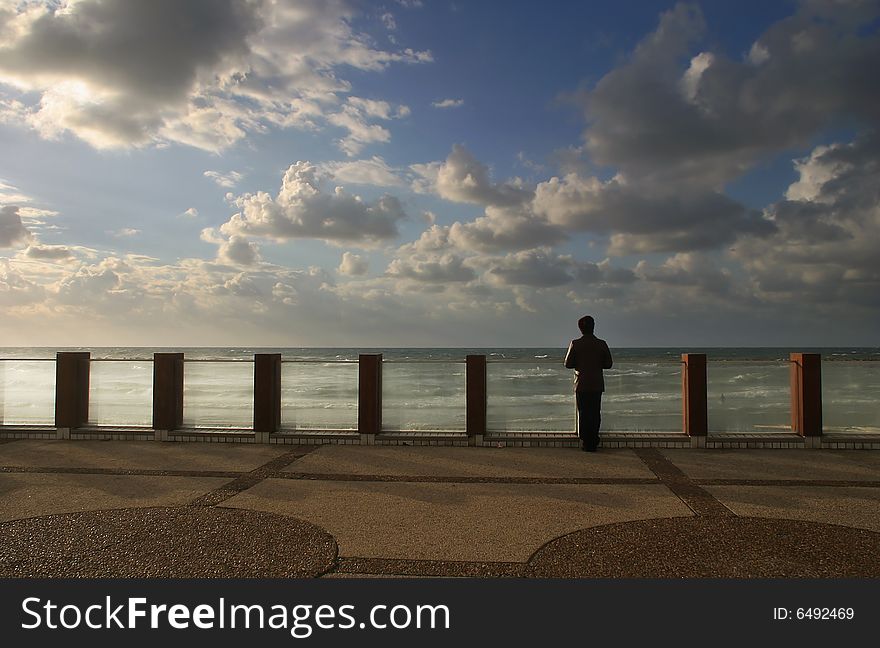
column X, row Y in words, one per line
column 191, row 542
column 715, row 547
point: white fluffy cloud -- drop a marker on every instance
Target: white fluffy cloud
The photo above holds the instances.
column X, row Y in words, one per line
column 431, row 268
column 505, row 228
column 202, row 72
column 302, row 210
column 353, row 265
column 463, row 178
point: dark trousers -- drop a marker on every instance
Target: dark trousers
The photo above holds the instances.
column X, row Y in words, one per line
column 589, row 407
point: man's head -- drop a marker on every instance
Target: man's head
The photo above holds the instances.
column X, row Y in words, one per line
column 586, row 324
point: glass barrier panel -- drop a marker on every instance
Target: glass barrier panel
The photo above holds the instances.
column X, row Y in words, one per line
column 319, row 396
column 750, row 396
column 529, row 397
column 218, row 394
column 642, row 397
column 121, row 393
column 851, row 396
column 27, row 392
column 423, row 396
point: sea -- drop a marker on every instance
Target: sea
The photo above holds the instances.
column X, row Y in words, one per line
column 528, row 389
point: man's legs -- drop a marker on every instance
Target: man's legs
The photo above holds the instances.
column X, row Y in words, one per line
column 589, row 405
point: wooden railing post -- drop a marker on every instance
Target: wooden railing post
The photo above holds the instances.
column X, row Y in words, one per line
column 695, row 418
column 167, row 393
column 369, row 396
column 475, row 394
column 806, row 396
column 267, row 395
column 71, row 391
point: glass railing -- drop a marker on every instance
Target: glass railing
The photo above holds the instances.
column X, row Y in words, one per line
column 851, row 396
column 642, row 397
column 426, row 395
column 121, row 392
column 749, row 396
column 218, row 394
column 531, row 396
column 319, row 395
column 522, row 396
column 27, row 392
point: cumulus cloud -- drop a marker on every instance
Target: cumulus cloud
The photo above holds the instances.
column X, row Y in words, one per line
column 12, row 232
column 202, row 73
column 353, row 264
column 226, row 179
column 505, row 228
column 687, row 269
column 672, row 113
column 824, row 249
column 538, row 268
column 463, row 178
column 641, row 221
column 302, row 210
column 16, row 289
column 431, row 268
column 448, row 103
column 235, row 250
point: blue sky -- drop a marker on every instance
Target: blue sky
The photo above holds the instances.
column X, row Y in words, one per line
column 286, row 172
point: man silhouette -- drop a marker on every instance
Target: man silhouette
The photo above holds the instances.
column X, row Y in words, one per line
column 588, row 356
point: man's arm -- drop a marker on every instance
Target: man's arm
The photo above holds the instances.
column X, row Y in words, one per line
column 606, row 360
column 569, row 357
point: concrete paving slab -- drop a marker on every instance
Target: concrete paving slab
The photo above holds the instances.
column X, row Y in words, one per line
column 849, row 506
column 143, row 455
column 431, row 521
column 441, row 461
column 853, row 465
column 29, row 495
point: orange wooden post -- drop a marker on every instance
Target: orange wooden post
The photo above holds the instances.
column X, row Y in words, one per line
column 806, row 394
column 71, row 389
column 167, row 391
column 475, row 394
column 267, row 392
column 693, row 394
column 369, row 394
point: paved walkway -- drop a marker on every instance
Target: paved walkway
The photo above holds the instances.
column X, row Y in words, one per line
column 130, row 509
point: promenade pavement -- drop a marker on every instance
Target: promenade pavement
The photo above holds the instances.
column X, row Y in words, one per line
column 134, row 509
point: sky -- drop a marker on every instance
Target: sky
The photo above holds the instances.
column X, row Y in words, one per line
column 434, row 173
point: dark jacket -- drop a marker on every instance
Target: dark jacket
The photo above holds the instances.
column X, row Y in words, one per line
column 588, row 356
